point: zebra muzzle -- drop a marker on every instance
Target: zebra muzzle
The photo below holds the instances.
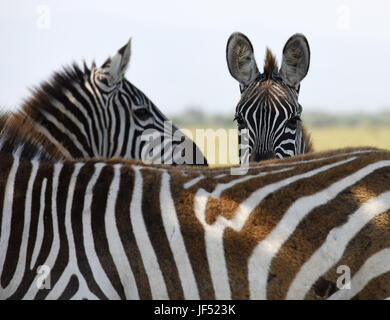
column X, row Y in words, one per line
column 261, row 156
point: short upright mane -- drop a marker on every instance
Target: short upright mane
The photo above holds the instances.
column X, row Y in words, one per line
column 19, row 128
column 270, row 64
column 55, row 86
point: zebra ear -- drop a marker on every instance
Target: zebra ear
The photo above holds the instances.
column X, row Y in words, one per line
column 296, row 60
column 115, row 67
column 240, row 59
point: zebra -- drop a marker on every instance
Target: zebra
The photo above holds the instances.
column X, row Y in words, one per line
column 96, row 112
column 289, row 229
column 269, row 109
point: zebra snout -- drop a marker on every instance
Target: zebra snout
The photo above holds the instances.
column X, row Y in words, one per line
column 261, row 156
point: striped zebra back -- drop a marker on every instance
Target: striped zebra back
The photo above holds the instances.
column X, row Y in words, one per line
column 95, row 113
column 314, row 227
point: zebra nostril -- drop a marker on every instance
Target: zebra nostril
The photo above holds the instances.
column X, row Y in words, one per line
column 261, row 156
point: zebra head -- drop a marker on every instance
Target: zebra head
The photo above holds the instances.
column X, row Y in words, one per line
column 138, row 126
column 96, row 112
column 269, row 107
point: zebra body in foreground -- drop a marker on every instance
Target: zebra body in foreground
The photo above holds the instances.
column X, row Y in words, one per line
column 125, row 230
column 83, row 114
column 269, row 107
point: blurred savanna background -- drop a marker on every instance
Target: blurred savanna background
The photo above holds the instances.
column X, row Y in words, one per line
column 178, row 58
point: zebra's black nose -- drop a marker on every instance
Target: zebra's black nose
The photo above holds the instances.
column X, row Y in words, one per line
column 261, row 156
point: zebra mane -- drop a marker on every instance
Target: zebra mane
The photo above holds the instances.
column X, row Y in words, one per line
column 18, row 128
column 16, row 141
column 60, row 80
column 270, row 64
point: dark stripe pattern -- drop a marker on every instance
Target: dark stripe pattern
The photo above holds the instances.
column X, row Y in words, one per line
column 124, row 230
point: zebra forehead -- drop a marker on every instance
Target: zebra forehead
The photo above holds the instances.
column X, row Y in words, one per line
column 268, row 85
column 272, row 88
column 268, row 93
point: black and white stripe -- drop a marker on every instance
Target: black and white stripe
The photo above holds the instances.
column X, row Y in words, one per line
column 269, row 109
column 122, row 230
column 93, row 113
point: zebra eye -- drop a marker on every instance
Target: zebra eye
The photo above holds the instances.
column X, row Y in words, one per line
column 142, row 113
column 240, row 121
column 292, row 123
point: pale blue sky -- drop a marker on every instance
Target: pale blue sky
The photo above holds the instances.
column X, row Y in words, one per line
column 178, row 57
